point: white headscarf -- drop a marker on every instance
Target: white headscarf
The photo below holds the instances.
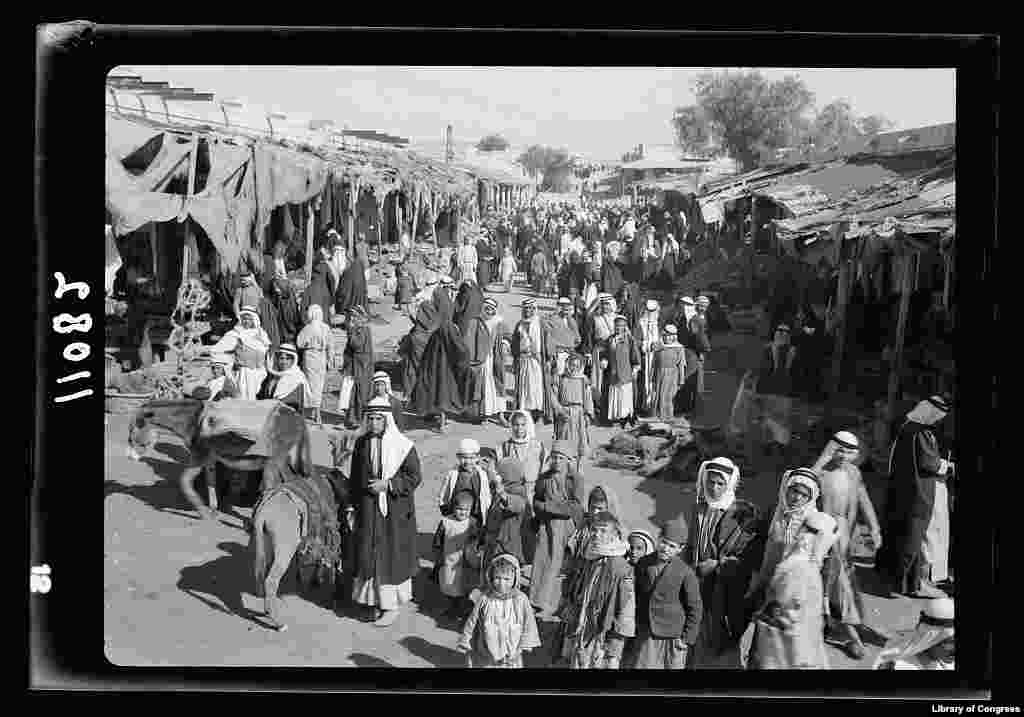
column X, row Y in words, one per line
column 926, row 413
column 290, row 379
column 394, row 447
column 732, row 475
column 254, row 339
column 931, row 629
column 787, row 521
column 531, row 429
column 842, row 439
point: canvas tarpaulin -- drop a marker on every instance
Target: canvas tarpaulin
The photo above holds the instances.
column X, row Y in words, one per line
column 284, row 177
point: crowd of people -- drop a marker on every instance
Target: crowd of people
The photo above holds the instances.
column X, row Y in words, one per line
column 524, row 538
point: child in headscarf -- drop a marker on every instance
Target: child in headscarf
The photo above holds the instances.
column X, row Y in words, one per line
column 456, row 535
column 641, row 543
column 790, row 630
column 501, row 626
column 798, row 496
column 576, row 408
column 317, row 353
column 524, row 447
column 601, row 499
column 508, row 268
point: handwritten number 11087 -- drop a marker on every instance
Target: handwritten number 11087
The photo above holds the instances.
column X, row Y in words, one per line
column 66, row 324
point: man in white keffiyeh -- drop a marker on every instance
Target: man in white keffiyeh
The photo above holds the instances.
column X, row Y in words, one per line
column 932, row 646
column 382, row 514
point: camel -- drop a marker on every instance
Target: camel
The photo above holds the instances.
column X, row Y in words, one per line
column 281, row 444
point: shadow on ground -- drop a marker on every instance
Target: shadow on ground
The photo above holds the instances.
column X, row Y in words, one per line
column 360, row 659
column 220, row 583
column 436, row 655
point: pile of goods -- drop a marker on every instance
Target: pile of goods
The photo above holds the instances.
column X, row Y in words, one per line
column 669, row 451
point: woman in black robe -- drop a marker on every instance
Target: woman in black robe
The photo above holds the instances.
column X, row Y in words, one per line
column 351, row 288
column 359, row 363
column 437, row 391
column 612, row 279
column 468, row 305
column 629, row 305
column 484, row 264
column 321, row 287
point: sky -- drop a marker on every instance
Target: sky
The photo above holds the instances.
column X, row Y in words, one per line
column 598, row 112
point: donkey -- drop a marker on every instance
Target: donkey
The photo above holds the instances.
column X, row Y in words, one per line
column 284, row 439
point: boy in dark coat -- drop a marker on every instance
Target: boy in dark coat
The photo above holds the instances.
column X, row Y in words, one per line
column 668, row 603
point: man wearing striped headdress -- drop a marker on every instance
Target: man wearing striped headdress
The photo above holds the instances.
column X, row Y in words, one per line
column 286, row 382
column 844, row 497
column 485, row 379
column 529, row 344
column 915, row 557
column 599, row 329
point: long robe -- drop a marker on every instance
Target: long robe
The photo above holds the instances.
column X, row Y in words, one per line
column 429, row 315
column 648, row 340
column 481, row 397
column 314, row 341
column 600, row 599
column 468, row 305
column 623, row 355
column 385, row 547
column 359, row 365
column 796, row 586
column 669, row 370
column 735, row 532
column 528, row 349
column 441, row 373
column 351, row 288
column 612, row 278
column 600, row 328
column 320, row 290
column 533, row 457
column 916, row 528
column 558, row 507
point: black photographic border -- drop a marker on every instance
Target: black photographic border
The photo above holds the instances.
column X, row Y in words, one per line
column 66, row 640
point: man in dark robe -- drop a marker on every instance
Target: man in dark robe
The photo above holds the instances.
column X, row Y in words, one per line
column 915, row 552
column 484, row 264
column 358, row 363
column 484, row 394
column 438, row 389
column 726, row 547
column 270, row 321
column 468, row 305
column 381, row 514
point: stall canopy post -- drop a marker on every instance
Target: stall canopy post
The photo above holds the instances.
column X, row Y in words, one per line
column 842, row 300
column 310, row 228
column 896, row 371
column 353, row 206
column 185, row 252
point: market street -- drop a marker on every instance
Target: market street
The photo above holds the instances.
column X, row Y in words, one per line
column 180, row 591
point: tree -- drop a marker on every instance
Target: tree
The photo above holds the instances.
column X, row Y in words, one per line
column 874, row 124
column 554, row 165
column 750, row 115
column 692, row 129
column 493, row 143
column 835, row 125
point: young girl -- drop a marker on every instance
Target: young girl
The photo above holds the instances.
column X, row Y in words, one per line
column 507, row 268
column 641, row 544
column 600, row 500
column 576, row 402
column 405, row 290
column 454, row 535
column 501, row 626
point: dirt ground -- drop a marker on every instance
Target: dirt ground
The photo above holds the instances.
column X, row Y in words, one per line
column 180, row 591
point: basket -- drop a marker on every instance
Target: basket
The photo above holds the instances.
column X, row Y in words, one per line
column 125, row 402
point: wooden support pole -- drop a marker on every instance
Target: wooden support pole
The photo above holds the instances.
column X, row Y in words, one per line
column 842, row 301
column 353, row 206
column 896, row 370
column 185, row 252
column 415, row 217
column 310, row 228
